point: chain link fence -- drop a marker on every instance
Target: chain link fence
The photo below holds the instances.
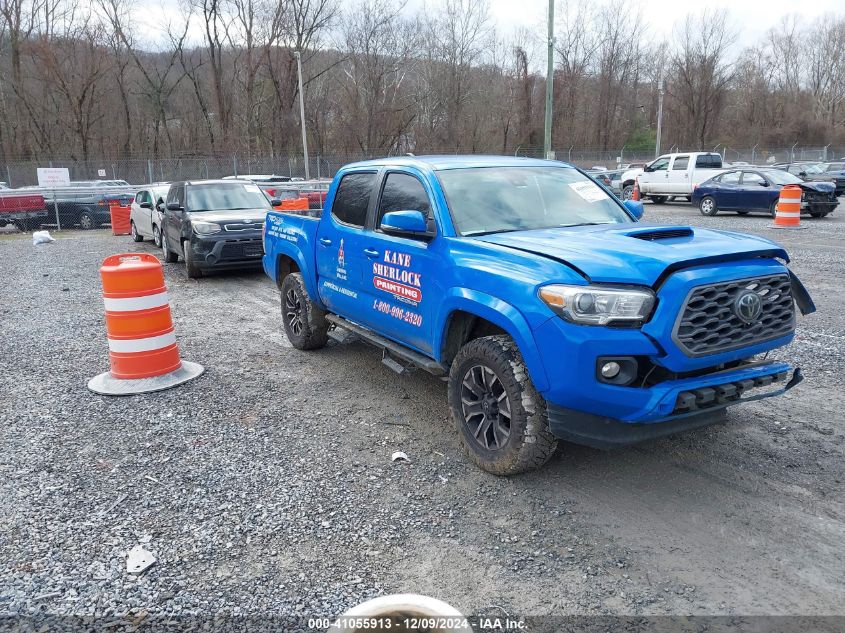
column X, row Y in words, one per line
column 140, row 171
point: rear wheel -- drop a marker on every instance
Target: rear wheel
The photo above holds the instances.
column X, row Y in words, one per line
column 133, row 231
column 708, row 206
column 502, row 420
column 658, row 199
column 194, row 271
column 305, row 324
column 86, row 220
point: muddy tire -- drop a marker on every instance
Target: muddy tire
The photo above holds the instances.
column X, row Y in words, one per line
column 305, row 323
column 133, row 231
column 194, row 271
column 169, row 256
column 501, row 419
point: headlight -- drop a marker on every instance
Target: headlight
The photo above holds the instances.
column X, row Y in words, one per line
column 205, row 228
column 598, row 305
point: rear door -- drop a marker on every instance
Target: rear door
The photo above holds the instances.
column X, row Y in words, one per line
column 401, row 274
column 340, row 245
column 678, row 175
column 729, row 190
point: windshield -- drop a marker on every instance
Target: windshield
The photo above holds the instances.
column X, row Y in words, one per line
column 226, row 197
column 782, row 177
column 812, row 169
column 497, row 199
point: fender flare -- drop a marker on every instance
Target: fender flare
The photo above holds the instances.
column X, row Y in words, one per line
column 499, row 313
column 287, row 249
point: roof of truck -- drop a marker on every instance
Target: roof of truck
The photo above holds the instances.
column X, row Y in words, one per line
column 458, row 162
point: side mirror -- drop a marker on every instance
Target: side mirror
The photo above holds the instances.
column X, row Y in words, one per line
column 410, row 223
column 802, row 174
column 635, row 207
column 275, row 202
column 765, row 183
column 146, row 205
column 174, row 206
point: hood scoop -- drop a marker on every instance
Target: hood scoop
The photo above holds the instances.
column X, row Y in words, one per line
column 653, row 234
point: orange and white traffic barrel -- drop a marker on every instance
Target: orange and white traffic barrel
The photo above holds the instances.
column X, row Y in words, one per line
column 143, row 353
column 788, row 209
column 635, row 194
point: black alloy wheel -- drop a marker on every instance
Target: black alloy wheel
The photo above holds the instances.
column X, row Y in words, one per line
column 293, row 311
column 486, row 407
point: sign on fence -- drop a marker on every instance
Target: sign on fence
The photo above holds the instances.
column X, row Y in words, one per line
column 101, row 173
column 53, row 176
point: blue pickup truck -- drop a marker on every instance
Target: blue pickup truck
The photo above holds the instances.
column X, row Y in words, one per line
column 551, row 311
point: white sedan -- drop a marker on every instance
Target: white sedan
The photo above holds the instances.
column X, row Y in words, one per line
column 145, row 216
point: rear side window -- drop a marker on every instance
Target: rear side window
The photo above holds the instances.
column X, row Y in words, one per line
column 402, row 192
column 352, row 198
column 709, row 161
column 681, row 163
column 730, row 178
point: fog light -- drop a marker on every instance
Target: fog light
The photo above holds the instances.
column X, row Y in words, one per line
column 610, row 370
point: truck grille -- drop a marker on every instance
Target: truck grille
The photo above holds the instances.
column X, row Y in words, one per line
column 709, row 324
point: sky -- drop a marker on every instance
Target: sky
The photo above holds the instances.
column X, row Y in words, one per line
column 751, row 18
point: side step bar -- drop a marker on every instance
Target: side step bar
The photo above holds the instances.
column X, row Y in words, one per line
column 393, row 349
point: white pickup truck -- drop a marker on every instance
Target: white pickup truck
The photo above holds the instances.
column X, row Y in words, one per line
column 672, row 175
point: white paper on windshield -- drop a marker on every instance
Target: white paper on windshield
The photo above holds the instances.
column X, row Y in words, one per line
column 590, row 191
column 252, row 188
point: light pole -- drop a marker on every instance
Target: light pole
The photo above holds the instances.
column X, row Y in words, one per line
column 302, row 112
column 550, row 79
column 659, row 116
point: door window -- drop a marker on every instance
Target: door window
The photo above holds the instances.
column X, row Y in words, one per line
column 176, row 194
column 730, row 178
column 402, row 192
column 753, row 178
column 352, row 198
column 681, row 163
column 661, row 164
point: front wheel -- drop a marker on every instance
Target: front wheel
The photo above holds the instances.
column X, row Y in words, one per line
column 194, row 271
column 627, row 192
column 708, row 206
column 169, row 256
column 305, row 324
column 134, row 233
column 156, row 235
column 502, row 420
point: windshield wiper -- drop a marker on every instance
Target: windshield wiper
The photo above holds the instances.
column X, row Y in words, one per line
column 478, row 233
column 563, row 226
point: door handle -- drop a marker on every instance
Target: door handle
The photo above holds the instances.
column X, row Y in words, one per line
column 371, row 253
column 325, row 241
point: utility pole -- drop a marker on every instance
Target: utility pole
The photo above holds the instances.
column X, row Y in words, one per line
column 659, row 116
column 302, row 112
column 550, row 79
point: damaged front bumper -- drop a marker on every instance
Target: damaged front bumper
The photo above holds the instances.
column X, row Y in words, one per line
column 676, row 405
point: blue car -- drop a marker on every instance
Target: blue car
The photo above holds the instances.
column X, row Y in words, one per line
column 758, row 189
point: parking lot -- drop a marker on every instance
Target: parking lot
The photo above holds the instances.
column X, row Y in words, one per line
column 266, row 486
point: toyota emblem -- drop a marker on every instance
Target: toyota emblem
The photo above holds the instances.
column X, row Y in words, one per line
column 748, row 306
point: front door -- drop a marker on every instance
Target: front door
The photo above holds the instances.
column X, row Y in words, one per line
column 401, row 273
column 340, row 257
column 729, row 190
column 654, row 177
column 757, row 192
column 172, row 230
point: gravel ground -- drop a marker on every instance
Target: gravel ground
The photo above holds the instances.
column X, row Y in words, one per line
column 266, row 486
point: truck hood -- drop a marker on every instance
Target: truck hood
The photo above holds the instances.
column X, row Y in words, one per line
column 256, row 216
column 635, row 253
